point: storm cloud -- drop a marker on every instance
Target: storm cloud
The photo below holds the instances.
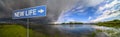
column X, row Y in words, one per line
column 54, row 8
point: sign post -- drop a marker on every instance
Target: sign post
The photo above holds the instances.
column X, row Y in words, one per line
column 28, row 27
column 27, row 13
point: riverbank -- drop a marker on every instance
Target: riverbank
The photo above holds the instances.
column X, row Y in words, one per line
column 109, row 28
column 113, row 23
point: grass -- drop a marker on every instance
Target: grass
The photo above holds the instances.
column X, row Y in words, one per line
column 113, row 23
column 14, row 31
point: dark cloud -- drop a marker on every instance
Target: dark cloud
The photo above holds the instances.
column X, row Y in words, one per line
column 54, row 8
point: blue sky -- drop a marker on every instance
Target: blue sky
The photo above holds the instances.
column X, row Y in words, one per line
column 92, row 11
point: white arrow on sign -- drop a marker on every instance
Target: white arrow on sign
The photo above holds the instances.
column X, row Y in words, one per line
column 41, row 10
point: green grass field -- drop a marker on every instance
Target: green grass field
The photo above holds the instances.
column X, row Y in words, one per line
column 14, row 31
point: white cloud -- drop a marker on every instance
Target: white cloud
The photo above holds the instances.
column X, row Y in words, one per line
column 87, row 3
column 89, row 18
column 105, row 16
column 107, row 6
column 106, row 11
column 80, row 7
column 93, row 2
column 70, row 20
column 81, row 10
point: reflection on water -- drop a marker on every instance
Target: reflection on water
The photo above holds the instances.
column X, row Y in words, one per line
column 79, row 30
column 76, row 29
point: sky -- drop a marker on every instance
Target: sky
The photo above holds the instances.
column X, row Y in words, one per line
column 66, row 10
column 91, row 11
column 54, row 8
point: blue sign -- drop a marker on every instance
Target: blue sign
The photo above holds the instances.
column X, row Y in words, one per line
column 30, row 12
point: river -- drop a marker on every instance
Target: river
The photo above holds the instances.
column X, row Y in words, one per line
column 88, row 30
